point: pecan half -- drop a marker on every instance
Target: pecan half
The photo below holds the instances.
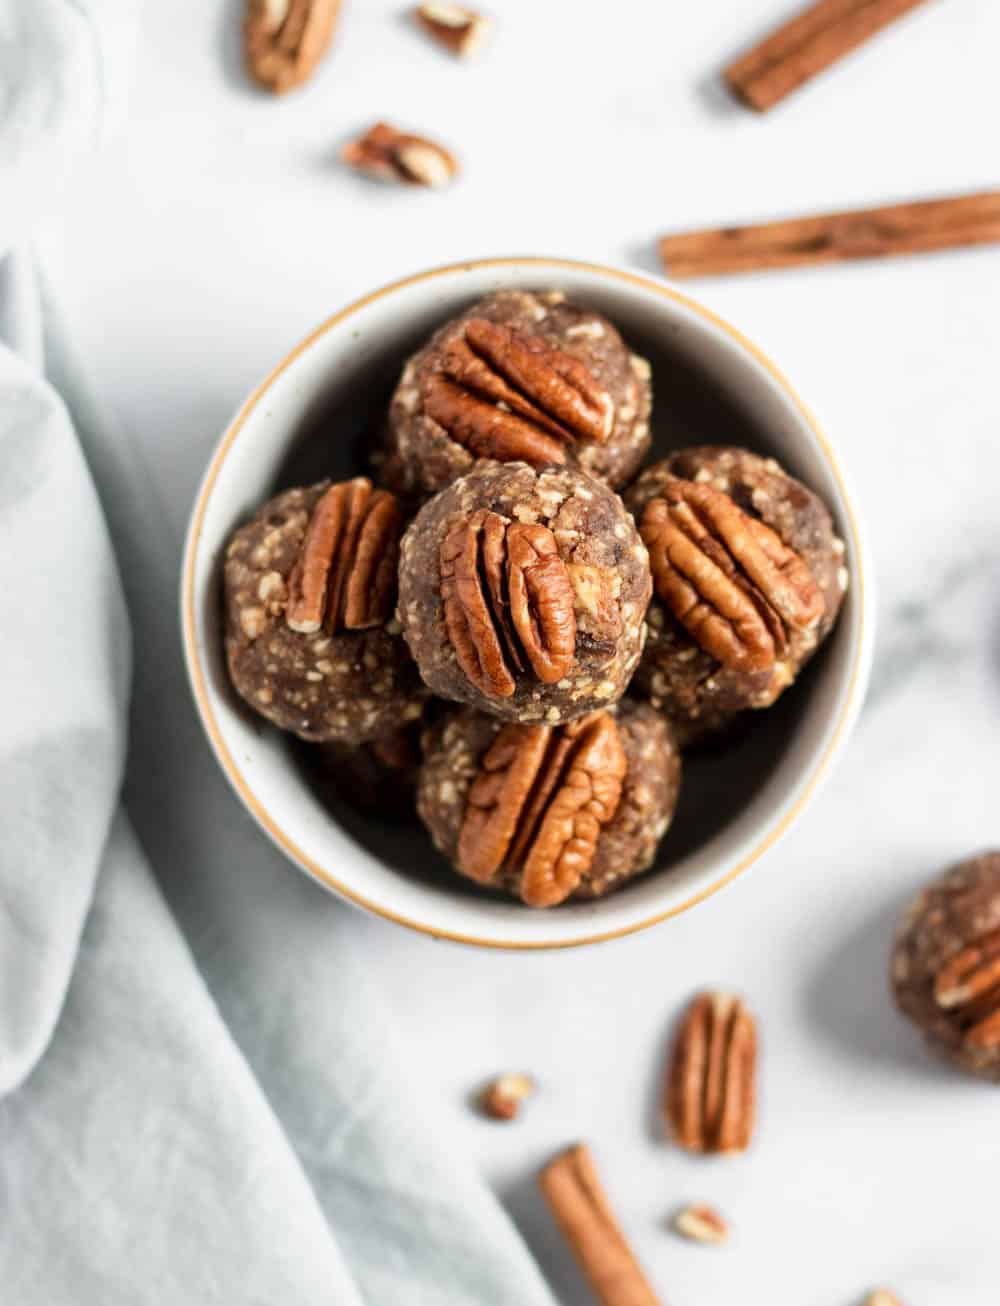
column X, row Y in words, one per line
column 968, row 985
column 539, row 803
column 710, row 1091
column 507, row 602
column 458, row 29
column 389, row 154
column 727, row 577
column 284, row 40
column 345, row 575
column 507, row 395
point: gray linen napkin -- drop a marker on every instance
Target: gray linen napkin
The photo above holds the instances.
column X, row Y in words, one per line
column 201, row 1098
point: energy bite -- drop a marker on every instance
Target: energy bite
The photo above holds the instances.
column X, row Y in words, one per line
column 946, row 965
column 523, row 592
column 522, row 377
column 748, row 579
column 311, row 644
column 378, row 777
column 548, row 813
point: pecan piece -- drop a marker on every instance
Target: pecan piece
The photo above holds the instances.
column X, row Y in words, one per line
column 727, row 577
column 507, row 395
column 710, row 1090
column 284, row 40
column 539, row 804
column 507, row 602
column 968, row 985
column 501, row 1099
column 460, row 30
column 488, row 431
column 345, row 575
column 389, row 154
column 701, row 1224
column 596, row 590
column 541, row 600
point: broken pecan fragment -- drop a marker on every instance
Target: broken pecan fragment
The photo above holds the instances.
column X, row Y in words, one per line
column 727, row 577
column 710, row 1090
column 968, row 985
column 539, row 804
column 345, row 575
column 502, row 1097
column 458, row 29
column 507, row 395
column 701, row 1224
column 507, row 601
column 389, row 154
column 284, row 40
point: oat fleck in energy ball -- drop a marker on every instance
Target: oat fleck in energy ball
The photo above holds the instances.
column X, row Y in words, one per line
column 549, row 813
column 526, row 377
column 946, row 965
column 310, row 584
column 748, row 575
column 523, row 592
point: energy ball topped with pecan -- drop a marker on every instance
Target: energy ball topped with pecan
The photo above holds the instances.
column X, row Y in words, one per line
column 523, row 592
column 311, row 642
column 522, row 377
column 748, row 579
column 548, row 813
column 946, row 965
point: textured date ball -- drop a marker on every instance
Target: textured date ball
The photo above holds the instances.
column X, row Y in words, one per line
column 310, row 640
column 521, row 376
column 378, row 778
column 523, row 592
column 946, row 965
column 548, row 813
column 748, row 578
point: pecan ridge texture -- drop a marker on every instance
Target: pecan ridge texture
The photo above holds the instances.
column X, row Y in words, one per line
column 539, row 803
column 345, row 575
column 710, row 1089
column 507, row 395
column 729, row 579
column 968, row 987
column 389, row 154
column 284, row 40
column 507, row 601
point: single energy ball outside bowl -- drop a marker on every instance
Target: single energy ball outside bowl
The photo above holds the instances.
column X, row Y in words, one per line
column 311, row 642
column 547, row 813
column 523, row 592
column 526, row 377
column 946, row 965
column 748, row 576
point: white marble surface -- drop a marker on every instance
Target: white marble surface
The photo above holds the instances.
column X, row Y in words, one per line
column 218, row 228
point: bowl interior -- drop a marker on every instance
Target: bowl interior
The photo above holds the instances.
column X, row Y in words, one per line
column 319, row 414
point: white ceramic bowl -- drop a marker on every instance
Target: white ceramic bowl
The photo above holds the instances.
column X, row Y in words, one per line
column 711, row 386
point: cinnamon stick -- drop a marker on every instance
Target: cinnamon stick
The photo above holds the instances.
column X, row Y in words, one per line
column 806, row 45
column 574, row 1192
column 911, row 228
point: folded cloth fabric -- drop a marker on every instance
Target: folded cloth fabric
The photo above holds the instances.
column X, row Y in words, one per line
column 201, row 1098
